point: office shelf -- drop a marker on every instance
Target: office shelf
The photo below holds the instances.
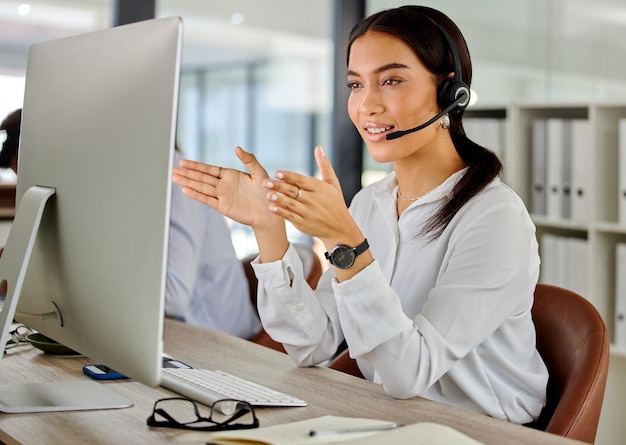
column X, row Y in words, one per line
column 602, row 228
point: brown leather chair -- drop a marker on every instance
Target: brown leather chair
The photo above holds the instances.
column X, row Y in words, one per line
column 315, row 271
column 574, row 344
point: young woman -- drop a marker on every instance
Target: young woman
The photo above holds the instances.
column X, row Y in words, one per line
column 434, row 266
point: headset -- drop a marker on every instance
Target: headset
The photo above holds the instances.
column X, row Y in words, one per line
column 453, row 95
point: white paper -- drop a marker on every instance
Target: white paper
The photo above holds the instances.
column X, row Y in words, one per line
column 298, row 433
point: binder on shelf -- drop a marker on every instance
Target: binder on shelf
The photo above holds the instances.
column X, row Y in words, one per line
column 552, row 254
column 622, row 170
column 564, row 262
column 538, row 169
column 620, row 295
column 566, row 170
column 579, row 165
column 554, row 173
column 576, row 256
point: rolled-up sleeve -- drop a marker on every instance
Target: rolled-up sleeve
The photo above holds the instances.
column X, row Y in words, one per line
column 305, row 321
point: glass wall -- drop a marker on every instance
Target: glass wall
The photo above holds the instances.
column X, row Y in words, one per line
column 260, row 82
column 221, row 108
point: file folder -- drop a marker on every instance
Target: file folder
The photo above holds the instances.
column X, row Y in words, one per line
column 579, row 166
column 620, row 295
column 538, row 166
column 556, row 136
column 622, row 171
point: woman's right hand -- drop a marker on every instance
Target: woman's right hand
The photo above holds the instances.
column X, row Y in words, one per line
column 235, row 194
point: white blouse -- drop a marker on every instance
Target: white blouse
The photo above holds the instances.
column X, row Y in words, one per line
column 447, row 319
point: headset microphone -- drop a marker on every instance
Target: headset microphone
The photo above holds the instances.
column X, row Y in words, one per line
column 464, row 98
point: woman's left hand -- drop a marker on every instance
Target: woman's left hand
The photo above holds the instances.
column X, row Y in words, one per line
column 315, row 207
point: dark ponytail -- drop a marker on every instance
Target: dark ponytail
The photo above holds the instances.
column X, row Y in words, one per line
column 483, row 167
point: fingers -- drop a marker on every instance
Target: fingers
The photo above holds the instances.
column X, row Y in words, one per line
column 283, row 189
column 200, row 167
column 197, row 190
column 185, row 177
column 327, row 172
column 196, row 179
column 202, row 197
column 296, row 186
column 199, row 180
column 288, row 206
column 251, row 162
column 285, row 198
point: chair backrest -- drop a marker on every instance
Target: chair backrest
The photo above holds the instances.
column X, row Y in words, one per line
column 310, row 261
column 574, row 343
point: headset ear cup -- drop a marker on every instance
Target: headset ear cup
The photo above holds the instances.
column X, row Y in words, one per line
column 448, row 92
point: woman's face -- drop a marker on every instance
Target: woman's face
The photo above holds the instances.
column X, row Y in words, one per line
column 391, row 90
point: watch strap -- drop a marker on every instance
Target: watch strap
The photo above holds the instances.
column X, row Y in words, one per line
column 358, row 250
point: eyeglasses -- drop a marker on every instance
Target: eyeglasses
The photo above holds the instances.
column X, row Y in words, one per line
column 18, row 336
column 182, row 413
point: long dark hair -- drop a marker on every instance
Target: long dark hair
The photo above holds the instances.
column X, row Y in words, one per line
column 417, row 27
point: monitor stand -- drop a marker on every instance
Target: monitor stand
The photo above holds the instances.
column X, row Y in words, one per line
column 70, row 395
column 46, row 396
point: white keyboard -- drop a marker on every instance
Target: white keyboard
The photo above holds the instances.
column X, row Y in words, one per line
column 207, row 386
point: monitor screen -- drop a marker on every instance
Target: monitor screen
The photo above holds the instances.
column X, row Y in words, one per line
column 98, row 129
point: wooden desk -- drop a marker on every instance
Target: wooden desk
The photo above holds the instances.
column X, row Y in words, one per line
column 327, row 392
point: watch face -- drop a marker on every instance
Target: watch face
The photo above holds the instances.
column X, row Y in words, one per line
column 343, row 256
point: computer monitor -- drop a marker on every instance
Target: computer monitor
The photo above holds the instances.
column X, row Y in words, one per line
column 85, row 260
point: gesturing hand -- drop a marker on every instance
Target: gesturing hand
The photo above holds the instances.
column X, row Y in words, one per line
column 315, row 207
column 235, row 194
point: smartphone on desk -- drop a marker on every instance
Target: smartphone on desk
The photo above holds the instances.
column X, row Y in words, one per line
column 102, row 372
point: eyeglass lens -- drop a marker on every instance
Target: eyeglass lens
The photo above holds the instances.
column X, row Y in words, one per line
column 182, row 411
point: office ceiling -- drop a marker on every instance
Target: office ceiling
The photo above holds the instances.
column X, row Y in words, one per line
column 576, row 39
column 210, row 35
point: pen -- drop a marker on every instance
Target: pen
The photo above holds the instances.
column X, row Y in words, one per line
column 360, row 429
